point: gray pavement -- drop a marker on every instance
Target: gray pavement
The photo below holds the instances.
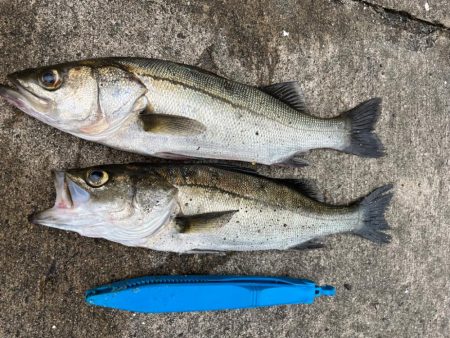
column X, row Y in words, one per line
column 342, row 52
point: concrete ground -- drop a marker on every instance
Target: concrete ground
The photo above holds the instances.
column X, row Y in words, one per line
column 342, row 52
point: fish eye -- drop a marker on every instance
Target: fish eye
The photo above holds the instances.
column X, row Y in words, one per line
column 50, row 79
column 96, row 178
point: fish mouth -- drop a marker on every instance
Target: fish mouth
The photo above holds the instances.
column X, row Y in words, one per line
column 69, row 198
column 28, row 102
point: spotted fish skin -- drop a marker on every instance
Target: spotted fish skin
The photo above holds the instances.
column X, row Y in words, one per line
column 199, row 208
column 268, row 215
column 170, row 110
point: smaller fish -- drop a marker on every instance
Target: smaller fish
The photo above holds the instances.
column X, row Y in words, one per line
column 199, row 208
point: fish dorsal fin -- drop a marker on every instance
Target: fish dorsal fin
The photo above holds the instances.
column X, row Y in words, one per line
column 200, row 70
column 305, row 187
column 288, row 92
column 203, row 222
column 152, row 63
column 171, row 124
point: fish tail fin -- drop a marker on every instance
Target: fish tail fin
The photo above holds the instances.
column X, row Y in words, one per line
column 373, row 207
column 361, row 119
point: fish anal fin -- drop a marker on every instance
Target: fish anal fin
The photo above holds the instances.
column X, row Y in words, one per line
column 203, row 222
column 171, row 124
column 287, row 92
column 295, row 161
column 309, row 245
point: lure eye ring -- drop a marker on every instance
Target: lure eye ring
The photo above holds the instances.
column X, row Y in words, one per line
column 50, row 79
column 96, row 178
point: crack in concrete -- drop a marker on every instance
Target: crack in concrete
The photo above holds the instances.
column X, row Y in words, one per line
column 405, row 16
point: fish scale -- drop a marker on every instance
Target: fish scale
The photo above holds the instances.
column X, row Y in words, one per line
column 170, row 110
column 274, row 217
column 247, row 98
column 241, row 119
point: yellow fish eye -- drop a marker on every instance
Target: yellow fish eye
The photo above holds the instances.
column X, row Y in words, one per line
column 50, row 79
column 96, row 177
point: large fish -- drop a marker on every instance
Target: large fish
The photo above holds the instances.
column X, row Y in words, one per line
column 198, row 208
column 170, row 110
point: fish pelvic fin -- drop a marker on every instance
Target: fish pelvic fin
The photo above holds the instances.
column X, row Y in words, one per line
column 203, row 222
column 312, row 244
column 373, row 208
column 294, row 161
column 363, row 141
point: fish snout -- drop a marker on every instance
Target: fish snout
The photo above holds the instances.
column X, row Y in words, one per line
column 42, row 217
column 33, row 217
column 13, row 77
column 18, row 82
column 22, row 96
column 22, row 78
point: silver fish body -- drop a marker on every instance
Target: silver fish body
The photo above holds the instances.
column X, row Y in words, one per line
column 195, row 208
column 170, row 110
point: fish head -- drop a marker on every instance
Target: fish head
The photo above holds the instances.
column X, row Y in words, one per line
column 124, row 204
column 90, row 99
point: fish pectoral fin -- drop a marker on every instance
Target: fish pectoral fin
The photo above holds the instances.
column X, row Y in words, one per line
column 288, row 92
column 309, row 245
column 171, row 124
column 203, row 222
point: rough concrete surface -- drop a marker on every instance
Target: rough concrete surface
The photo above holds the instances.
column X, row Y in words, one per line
column 435, row 12
column 342, row 52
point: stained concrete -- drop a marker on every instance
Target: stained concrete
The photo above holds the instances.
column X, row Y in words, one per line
column 342, row 52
